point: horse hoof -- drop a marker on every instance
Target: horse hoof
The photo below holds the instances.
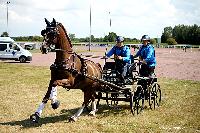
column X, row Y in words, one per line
column 72, row 119
column 55, row 105
column 93, row 113
column 35, row 117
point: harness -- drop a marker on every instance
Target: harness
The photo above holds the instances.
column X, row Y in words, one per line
column 70, row 66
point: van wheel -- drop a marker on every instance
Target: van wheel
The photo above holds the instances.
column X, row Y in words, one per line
column 22, row 59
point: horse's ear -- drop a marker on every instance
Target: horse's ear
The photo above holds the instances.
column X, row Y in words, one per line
column 47, row 22
column 53, row 22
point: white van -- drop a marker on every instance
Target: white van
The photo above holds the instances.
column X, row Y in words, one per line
column 10, row 50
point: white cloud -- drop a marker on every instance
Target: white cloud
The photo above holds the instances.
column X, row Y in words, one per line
column 130, row 18
column 17, row 18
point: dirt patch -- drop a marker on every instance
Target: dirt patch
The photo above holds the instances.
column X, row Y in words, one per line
column 171, row 63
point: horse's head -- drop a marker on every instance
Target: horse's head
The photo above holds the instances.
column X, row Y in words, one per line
column 55, row 34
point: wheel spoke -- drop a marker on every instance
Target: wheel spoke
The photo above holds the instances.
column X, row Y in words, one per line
column 155, row 98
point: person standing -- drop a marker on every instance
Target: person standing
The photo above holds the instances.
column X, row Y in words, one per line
column 147, row 57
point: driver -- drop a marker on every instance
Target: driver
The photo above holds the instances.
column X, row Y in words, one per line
column 122, row 56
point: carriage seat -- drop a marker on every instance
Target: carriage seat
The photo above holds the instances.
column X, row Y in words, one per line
column 130, row 68
column 109, row 65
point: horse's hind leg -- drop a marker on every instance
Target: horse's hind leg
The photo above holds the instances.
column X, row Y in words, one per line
column 93, row 95
column 94, row 108
column 87, row 98
column 51, row 94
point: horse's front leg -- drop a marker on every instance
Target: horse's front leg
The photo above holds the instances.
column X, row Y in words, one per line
column 52, row 95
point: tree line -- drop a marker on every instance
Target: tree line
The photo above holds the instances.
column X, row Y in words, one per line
column 181, row 34
column 107, row 38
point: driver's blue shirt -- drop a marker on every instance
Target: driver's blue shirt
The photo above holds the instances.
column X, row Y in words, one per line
column 148, row 54
column 123, row 51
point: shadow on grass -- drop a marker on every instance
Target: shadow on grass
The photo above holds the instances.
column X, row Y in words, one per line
column 16, row 62
column 27, row 123
column 64, row 115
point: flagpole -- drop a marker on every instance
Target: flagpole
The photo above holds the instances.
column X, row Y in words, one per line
column 8, row 2
column 90, row 26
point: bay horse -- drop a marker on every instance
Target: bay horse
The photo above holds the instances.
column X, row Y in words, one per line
column 68, row 71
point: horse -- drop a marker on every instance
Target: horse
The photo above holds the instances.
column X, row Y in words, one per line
column 69, row 71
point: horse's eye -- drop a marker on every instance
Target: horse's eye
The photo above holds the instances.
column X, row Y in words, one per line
column 43, row 32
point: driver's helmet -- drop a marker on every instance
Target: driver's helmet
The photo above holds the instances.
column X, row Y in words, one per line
column 145, row 37
column 119, row 39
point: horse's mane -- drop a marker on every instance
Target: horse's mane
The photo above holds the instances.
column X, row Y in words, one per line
column 66, row 34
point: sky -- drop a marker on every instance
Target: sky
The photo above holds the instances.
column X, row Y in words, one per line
column 129, row 18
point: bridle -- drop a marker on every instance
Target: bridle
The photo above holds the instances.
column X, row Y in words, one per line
column 50, row 35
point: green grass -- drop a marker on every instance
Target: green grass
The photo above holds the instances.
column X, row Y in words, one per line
column 23, row 87
column 35, row 51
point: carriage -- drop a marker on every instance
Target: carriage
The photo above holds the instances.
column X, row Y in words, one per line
column 73, row 71
column 131, row 89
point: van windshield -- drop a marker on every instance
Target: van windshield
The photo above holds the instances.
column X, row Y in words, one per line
column 14, row 46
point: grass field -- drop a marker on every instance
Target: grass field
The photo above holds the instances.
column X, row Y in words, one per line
column 23, row 87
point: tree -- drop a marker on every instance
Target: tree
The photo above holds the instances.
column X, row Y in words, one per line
column 166, row 34
column 72, row 36
column 105, row 39
column 171, row 41
column 186, row 34
column 112, row 36
column 92, row 38
column 127, row 39
column 153, row 41
column 5, row 34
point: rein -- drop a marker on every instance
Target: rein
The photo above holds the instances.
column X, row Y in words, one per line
column 70, row 66
column 69, row 52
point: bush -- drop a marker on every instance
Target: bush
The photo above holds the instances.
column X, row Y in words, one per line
column 153, row 41
column 171, row 41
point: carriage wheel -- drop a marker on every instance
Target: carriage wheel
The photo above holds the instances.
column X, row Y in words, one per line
column 150, row 97
column 157, row 94
column 140, row 99
column 137, row 100
column 154, row 95
column 133, row 103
